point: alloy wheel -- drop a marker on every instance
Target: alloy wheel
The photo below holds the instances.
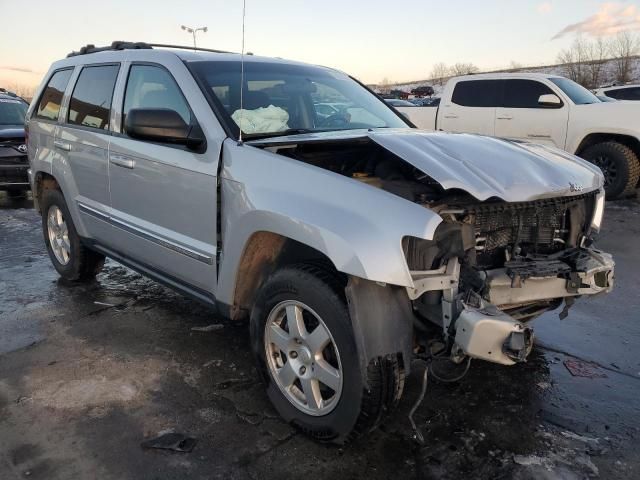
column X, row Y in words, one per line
column 303, row 358
column 608, row 167
column 58, row 235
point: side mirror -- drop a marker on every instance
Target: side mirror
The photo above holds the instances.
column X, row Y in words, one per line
column 550, row 100
column 162, row 125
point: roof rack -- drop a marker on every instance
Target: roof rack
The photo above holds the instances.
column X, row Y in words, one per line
column 119, row 45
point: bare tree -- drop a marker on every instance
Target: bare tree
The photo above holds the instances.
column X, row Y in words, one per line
column 464, row 69
column 384, row 86
column 622, row 48
column 595, row 54
column 573, row 60
column 439, row 73
column 513, row 65
column 25, row 91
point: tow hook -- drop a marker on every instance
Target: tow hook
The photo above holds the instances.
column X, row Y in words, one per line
column 519, row 345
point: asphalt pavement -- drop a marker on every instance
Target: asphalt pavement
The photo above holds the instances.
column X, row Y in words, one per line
column 89, row 372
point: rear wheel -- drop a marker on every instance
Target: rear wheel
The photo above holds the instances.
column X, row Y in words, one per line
column 69, row 256
column 306, row 352
column 619, row 165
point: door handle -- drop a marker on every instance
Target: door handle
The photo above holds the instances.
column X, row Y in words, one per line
column 62, row 145
column 505, row 117
column 451, row 115
column 121, row 161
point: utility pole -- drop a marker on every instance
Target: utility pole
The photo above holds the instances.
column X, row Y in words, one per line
column 193, row 31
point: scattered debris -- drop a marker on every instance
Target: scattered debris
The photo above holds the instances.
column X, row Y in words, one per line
column 215, row 362
column 544, row 385
column 105, row 304
column 527, row 460
column 176, row 442
column 578, row 368
column 580, row 438
column 209, row 328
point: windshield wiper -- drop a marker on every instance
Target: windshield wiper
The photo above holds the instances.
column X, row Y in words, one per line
column 281, row 133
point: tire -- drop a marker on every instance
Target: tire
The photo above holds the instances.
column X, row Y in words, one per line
column 82, row 264
column 357, row 410
column 620, row 167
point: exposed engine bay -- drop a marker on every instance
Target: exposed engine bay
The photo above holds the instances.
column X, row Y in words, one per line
column 492, row 265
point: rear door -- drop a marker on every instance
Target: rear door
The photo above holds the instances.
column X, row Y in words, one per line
column 521, row 117
column 164, row 196
column 471, row 108
column 43, row 124
column 84, row 143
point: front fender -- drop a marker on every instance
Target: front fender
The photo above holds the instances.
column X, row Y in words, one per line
column 357, row 226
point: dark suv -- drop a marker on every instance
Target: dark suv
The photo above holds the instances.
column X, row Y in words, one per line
column 13, row 148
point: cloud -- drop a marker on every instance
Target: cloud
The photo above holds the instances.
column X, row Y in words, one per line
column 611, row 18
column 17, row 69
column 545, row 7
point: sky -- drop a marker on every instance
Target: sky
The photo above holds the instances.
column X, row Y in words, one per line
column 373, row 40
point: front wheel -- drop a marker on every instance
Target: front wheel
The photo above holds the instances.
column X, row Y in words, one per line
column 619, row 165
column 69, row 256
column 306, row 353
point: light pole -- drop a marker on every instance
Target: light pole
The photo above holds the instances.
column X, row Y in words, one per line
column 193, row 31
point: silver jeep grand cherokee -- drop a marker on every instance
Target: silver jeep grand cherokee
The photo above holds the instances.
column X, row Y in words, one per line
column 340, row 236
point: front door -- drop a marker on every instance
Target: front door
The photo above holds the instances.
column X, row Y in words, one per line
column 522, row 118
column 163, row 197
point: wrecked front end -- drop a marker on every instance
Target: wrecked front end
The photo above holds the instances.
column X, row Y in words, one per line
column 494, row 265
column 514, row 240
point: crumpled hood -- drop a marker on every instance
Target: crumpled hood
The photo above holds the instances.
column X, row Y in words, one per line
column 489, row 167
column 485, row 167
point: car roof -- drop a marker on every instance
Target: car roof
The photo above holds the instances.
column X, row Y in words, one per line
column 500, row 76
column 8, row 96
column 618, row 87
column 160, row 53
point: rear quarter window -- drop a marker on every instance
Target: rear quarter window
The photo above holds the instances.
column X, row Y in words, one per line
column 51, row 99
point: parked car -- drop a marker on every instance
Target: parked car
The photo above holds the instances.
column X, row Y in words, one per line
column 545, row 109
column 396, row 102
column 334, row 238
column 13, row 149
column 425, row 102
column 620, row 92
column 424, row 91
column 604, row 98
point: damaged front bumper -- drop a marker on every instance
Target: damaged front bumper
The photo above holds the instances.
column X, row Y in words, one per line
column 488, row 324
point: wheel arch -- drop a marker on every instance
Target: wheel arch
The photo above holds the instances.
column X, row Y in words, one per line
column 43, row 181
column 595, row 138
column 263, row 254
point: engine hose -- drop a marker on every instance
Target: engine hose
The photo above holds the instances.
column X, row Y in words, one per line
column 417, row 434
column 450, row 380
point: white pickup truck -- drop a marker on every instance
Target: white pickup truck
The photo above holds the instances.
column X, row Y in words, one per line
column 544, row 109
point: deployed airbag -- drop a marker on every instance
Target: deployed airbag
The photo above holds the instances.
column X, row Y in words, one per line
column 261, row 120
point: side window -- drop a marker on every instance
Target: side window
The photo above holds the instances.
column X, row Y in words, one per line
column 624, row 94
column 524, row 93
column 90, row 102
column 51, row 99
column 149, row 86
column 476, row 93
